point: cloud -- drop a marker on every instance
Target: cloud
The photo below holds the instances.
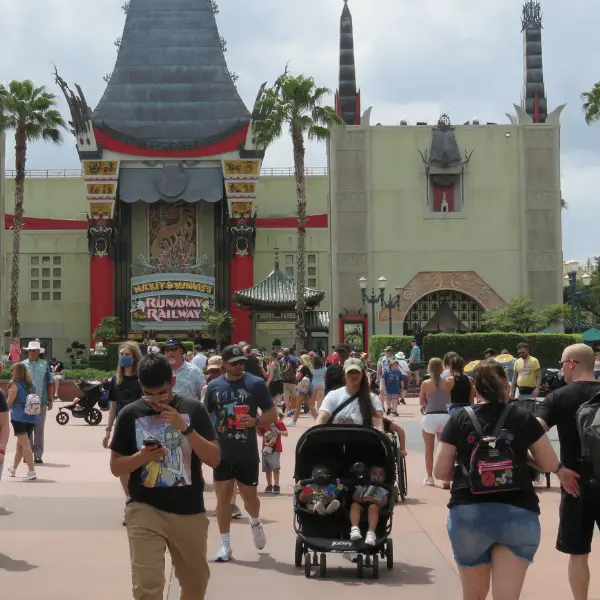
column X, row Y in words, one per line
column 414, row 60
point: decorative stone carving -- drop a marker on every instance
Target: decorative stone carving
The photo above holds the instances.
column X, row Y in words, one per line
column 467, row 282
column 100, row 238
column 352, row 262
column 553, row 118
column 351, row 201
column 350, row 140
column 243, row 235
column 171, row 181
column 541, row 261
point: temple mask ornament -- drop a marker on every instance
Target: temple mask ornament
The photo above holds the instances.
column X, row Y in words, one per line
column 242, row 236
column 100, row 238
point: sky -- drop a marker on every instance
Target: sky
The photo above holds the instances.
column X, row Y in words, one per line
column 415, row 59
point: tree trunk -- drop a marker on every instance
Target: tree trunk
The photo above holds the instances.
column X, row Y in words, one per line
column 20, row 159
column 299, row 152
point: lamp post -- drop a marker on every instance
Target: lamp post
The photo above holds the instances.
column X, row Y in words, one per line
column 576, row 297
column 374, row 299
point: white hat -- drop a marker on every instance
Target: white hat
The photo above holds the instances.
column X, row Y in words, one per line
column 34, row 346
column 400, row 356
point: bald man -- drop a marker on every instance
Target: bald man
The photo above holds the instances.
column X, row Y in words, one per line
column 577, row 515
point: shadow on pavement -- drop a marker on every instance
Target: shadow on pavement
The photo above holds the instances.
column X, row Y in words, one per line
column 54, row 466
column 4, row 512
column 411, row 502
column 17, row 566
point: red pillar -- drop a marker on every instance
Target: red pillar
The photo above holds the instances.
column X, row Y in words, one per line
column 102, row 290
column 241, row 277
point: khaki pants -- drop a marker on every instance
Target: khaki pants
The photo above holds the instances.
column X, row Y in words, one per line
column 151, row 532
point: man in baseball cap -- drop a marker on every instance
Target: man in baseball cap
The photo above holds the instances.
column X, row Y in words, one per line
column 238, row 403
column 189, row 380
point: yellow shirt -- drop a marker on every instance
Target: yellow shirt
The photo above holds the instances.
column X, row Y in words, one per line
column 526, row 370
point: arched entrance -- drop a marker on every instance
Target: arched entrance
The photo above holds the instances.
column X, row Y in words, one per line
column 468, row 289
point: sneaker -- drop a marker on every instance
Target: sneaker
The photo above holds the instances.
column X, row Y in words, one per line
column 276, row 489
column 269, row 489
column 320, row 509
column 290, row 424
column 355, row 534
column 236, row 513
column 333, row 506
column 11, row 471
column 388, row 411
column 31, row 476
column 370, row 538
column 429, row 481
column 38, row 461
column 258, row 535
column 224, row 554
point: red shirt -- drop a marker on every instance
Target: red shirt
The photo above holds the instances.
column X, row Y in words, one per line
column 332, row 359
column 278, row 447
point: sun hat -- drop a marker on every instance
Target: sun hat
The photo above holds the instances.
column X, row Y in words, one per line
column 215, row 363
column 34, row 346
column 400, row 356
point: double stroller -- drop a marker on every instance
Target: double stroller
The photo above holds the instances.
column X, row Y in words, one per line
column 92, row 393
column 347, row 451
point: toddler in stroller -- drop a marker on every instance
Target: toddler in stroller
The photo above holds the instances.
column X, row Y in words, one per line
column 319, row 496
column 372, row 498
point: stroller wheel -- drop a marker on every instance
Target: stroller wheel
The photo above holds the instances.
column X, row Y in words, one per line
column 389, row 553
column 62, row 418
column 360, row 566
column 375, row 565
column 94, row 417
column 307, row 565
column 323, row 565
column 299, row 553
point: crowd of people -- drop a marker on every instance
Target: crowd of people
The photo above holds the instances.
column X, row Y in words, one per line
column 171, row 413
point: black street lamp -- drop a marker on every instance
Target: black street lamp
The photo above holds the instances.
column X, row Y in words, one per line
column 374, row 299
column 576, row 297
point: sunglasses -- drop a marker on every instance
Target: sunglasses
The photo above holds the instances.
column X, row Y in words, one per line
column 237, row 363
column 171, row 349
column 569, row 360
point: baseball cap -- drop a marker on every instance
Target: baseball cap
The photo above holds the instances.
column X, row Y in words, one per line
column 173, row 343
column 215, row 363
column 353, row 364
column 389, row 349
column 232, row 354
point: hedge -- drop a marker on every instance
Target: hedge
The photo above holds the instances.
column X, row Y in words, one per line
column 378, row 344
column 546, row 347
column 74, row 374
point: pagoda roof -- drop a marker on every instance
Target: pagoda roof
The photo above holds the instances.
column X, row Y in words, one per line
column 170, row 88
column 277, row 291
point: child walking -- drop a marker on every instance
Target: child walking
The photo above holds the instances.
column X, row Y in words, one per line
column 271, row 453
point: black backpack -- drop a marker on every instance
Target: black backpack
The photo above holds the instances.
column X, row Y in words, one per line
column 288, row 372
column 587, row 418
column 493, row 466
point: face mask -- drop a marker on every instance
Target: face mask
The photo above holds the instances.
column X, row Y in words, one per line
column 125, row 361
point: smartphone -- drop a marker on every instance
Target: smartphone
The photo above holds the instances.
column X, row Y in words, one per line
column 151, row 443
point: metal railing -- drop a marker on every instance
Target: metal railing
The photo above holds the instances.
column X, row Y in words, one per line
column 77, row 173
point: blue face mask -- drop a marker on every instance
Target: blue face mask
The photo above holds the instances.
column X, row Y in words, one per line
column 125, row 361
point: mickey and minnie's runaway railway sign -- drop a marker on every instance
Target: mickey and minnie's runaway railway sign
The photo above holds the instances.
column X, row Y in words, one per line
column 171, row 301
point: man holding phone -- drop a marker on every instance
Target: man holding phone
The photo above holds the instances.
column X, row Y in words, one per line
column 233, row 402
column 160, row 441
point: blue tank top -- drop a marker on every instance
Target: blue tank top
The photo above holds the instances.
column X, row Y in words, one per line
column 319, row 377
column 17, row 412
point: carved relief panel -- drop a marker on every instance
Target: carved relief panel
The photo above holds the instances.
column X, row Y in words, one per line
column 172, row 231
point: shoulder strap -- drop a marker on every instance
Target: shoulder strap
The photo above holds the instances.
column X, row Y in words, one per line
column 502, row 419
column 341, row 407
column 469, row 410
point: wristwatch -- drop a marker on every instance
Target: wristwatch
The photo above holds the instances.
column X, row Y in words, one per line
column 560, row 466
column 189, row 430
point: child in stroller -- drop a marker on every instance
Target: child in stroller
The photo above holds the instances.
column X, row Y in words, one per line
column 371, row 498
column 319, row 496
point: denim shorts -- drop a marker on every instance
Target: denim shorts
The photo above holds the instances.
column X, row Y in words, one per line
column 475, row 528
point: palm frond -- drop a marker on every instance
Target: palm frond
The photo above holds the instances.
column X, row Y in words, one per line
column 591, row 104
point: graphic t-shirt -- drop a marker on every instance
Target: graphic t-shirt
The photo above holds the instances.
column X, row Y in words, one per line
column 384, row 364
column 175, row 483
column 270, row 437
column 129, row 391
column 57, row 368
column 392, row 382
column 238, row 446
column 558, row 409
column 526, row 371
column 371, row 492
column 349, row 415
column 415, row 355
column 460, row 432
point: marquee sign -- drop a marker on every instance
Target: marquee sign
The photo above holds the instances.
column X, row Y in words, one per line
column 173, row 301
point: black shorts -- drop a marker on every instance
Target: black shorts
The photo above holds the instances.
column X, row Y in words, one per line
column 577, row 517
column 413, row 367
column 276, row 388
column 246, row 473
column 20, row 428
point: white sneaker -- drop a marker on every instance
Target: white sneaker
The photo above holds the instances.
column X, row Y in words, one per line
column 11, row 471
column 31, row 476
column 320, row 509
column 333, row 506
column 355, row 534
column 224, row 554
column 370, row 538
column 290, row 424
column 258, row 535
column 429, row 481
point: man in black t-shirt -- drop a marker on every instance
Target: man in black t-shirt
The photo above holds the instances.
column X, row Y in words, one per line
column 577, row 515
column 252, row 364
column 334, row 376
column 161, row 441
column 57, row 369
column 4, row 430
column 234, row 401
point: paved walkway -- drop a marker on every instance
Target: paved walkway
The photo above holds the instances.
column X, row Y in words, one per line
column 62, row 539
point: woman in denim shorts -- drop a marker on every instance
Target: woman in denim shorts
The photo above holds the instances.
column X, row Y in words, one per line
column 499, row 530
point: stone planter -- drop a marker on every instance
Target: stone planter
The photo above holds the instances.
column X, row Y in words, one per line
column 67, row 393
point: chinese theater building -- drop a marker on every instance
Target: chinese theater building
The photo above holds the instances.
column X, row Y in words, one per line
column 171, row 175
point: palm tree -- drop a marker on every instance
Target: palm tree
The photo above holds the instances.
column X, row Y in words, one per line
column 31, row 112
column 295, row 103
column 591, row 104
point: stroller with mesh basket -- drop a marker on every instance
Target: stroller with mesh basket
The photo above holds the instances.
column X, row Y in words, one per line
column 344, row 450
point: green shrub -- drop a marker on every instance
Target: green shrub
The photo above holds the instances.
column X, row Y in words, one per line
column 378, row 343
column 546, row 347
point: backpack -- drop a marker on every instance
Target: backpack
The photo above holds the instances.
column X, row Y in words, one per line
column 493, row 466
column 288, row 372
column 33, row 405
column 587, row 418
